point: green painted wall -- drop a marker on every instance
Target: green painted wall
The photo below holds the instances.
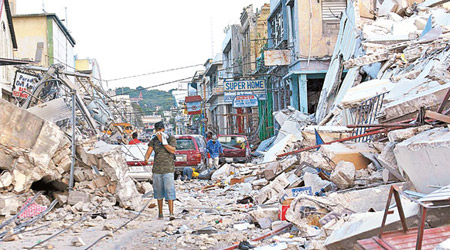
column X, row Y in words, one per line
column 50, row 49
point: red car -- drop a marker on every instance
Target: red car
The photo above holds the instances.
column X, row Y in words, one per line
column 190, row 152
column 236, row 148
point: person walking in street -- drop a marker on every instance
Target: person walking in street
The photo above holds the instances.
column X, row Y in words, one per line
column 164, row 146
column 214, row 148
column 135, row 139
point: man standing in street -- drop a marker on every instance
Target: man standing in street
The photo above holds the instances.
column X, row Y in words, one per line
column 164, row 146
column 135, row 139
column 214, row 148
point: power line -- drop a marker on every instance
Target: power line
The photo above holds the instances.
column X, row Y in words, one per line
column 155, row 72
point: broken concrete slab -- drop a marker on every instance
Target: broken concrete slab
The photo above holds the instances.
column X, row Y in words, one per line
column 327, row 133
column 28, row 147
column 357, row 200
column 317, row 160
column 111, row 160
column 430, row 96
column 343, row 175
column 289, row 128
column 365, row 225
column 425, row 157
column 400, row 135
column 364, row 91
column 285, row 145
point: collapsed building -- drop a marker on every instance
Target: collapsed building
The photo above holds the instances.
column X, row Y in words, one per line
column 381, row 129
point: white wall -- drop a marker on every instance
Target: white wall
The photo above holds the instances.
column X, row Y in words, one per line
column 62, row 49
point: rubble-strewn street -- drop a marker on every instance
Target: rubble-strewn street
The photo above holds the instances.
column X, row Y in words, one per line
column 320, row 125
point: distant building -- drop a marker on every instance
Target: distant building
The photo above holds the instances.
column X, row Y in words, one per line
column 90, row 67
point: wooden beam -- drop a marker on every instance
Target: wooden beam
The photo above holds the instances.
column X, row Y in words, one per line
column 437, row 116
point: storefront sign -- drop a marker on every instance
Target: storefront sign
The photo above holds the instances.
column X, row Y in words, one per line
column 24, row 85
column 228, row 97
column 245, row 85
column 245, row 101
column 193, row 104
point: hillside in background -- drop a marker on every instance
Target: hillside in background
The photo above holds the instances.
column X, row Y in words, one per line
column 151, row 98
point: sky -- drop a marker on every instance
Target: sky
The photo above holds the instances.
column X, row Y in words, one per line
column 143, row 36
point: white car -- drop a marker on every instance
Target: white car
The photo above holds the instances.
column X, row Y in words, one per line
column 135, row 156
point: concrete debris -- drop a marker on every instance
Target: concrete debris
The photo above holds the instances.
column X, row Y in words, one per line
column 110, row 160
column 403, row 134
column 445, row 245
column 429, row 148
column 343, row 175
column 77, row 241
column 315, row 182
column 327, row 133
column 364, row 225
column 31, row 150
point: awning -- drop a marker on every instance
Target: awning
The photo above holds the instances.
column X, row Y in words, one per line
column 7, row 61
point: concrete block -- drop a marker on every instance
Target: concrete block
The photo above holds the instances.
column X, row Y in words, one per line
column 21, row 181
column 100, row 182
column 78, row 175
column 9, row 204
column 343, row 175
column 5, row 179
column 425, row 159
column 62, row 197
column 77, row 196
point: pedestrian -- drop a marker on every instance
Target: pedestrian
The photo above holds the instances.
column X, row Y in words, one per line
column 119, row 140
column 209, row 136
column 164, row 146
column 214, row 148
column 187, row 174
column 135, row 139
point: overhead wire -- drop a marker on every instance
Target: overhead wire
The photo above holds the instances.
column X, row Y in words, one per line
column 155, row 72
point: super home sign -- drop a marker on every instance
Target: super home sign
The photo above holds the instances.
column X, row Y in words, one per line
column 244, row 85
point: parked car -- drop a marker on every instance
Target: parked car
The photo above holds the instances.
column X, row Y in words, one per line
column 190, row 152
column 236, row 148
column 135, row 156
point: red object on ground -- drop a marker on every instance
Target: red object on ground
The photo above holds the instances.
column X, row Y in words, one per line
column 134, row 141
column 33, row 210
column 282, row 213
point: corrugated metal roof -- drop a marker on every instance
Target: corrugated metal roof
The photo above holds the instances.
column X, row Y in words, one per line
column 53, row 111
